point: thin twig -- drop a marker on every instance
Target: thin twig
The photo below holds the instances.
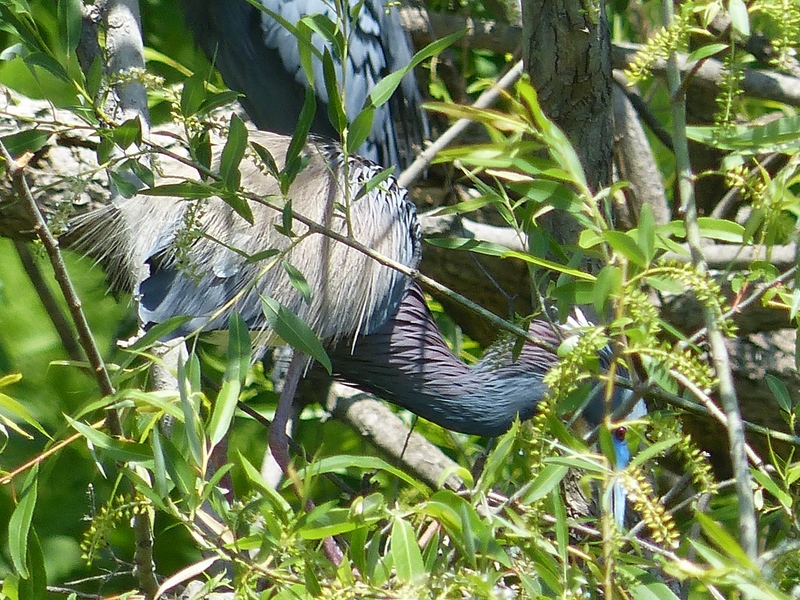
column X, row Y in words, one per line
column 16, row 170
column 51, row 307
column 716, row 340
column 714, row 411
column 39, row 458
column 486, row 99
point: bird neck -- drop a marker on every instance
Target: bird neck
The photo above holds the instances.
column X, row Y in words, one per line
column 407, row 362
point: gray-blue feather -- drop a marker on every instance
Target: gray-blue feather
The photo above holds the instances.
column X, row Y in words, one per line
column 257, row 56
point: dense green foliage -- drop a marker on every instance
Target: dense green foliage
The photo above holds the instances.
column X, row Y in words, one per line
column 77, row 515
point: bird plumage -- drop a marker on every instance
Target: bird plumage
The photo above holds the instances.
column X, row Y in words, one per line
column 379, row 332
column 407, row 362
column 259, row 57
column 138, row 239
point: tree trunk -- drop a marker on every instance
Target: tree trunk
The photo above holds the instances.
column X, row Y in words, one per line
column 567, row 53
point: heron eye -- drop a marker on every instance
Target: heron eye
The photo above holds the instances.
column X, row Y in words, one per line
column 619, row 433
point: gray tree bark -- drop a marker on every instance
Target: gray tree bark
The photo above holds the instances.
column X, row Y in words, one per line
column 567, row 52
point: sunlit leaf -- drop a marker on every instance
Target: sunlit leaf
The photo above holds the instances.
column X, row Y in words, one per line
column 19, row 525
column 232, row 154
column 294, row 331
column 407, row 557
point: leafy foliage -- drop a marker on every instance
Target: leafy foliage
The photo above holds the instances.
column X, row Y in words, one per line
column 510, row 530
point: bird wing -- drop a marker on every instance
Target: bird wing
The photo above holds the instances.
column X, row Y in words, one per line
column 209, row 273
column 257, row 56
column 231, row 36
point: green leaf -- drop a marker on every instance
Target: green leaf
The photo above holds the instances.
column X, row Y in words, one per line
column 336, row 113
column 267, row 158
column 794, row 307
column 29, row 140
column 559, row 145
column 779, row 135
column 498, row 458
column 646, row 232
column 239, row 349
column 232, row 154
column 17, row 409
column 181, row 472
column 609, row 283
column 159, row 465
column 652, row 591
column 254, row 475
column 312, row 586
column 19, row 526
column 407, row 557
column 706, row 51
column 771, row 486
column 191, row 418
column 217, row 100
column 547, row 479
column 470, row 244
column 740, row 19
column 626, row 246
column 69, row 24
column 128, row 133
column 384, row 89
column 224, row 409
column 778, row 389
column 373, row 182
column 298, row 143
column 49, row 64
column 325, row 522
column 359, row 129
column 190, row 190
column 125, row 187
column 294, row 331
column 144, row 173
column 239, row 204
column 298, row 281
column 193, row 94
column 340, row 464
column 547, row 264
column 200, row 150
column 305, row 46
column 238, row 363
column 665, row 284
column 723, row 540
column 35, row 586
column 721, row 229
column 116, row 449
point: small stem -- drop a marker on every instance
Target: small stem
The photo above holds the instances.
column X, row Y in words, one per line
column 486, row 99
column 16, row 169
column 52, row 308
column 716, row 340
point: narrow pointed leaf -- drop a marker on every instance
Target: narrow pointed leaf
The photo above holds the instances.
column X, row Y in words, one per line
column 547, row 479
column 116, row 449
column 69, row 24
column 386, row 86
column 408, row 562
column 294, row 331
column 232, row 153
column 298, row 281
column 19, row 525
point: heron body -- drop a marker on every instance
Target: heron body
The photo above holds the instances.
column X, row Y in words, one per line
column 378, row 329
column 137, row 239
column 257, row 56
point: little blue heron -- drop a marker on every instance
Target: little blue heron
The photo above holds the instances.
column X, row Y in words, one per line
column 257, row 56
column 375, row 322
